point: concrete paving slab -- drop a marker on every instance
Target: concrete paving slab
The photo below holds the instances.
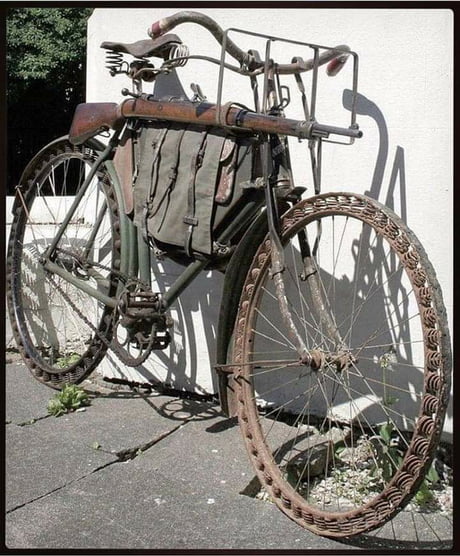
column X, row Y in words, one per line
column 133, row 505
column 181, row 492
column 208, row 460
column 26, row 399
column 411, row 530
column 41, row 459
column 116, row 420
column 120, row 423
column 50, row 451
column 184, row 492
column 222, row 472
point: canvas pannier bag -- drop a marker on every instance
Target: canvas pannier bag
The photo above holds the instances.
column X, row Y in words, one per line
column 188, row 179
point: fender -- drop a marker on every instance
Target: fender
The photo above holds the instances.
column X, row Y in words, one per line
column 235, row 276
column 123, row 162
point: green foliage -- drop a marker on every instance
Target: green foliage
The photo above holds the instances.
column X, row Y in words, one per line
column 385, row 432
column 386, row 456
column 45, row 44
column 67, row 361
column 424, row 495
column 69, row 399
column 432, row 475
column 389, row 458
column 46, row 52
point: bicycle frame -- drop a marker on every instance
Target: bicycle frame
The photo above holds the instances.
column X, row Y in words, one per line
column 90, row 119
column 135, row 253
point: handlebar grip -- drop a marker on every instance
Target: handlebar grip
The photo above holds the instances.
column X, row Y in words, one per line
column 336, row 64
column 158, row 28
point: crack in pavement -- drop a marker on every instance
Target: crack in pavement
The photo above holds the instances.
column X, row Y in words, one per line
column 131, row 453
column 60, row 487
column 28, row 423
column 31, row 421
column 122, row 456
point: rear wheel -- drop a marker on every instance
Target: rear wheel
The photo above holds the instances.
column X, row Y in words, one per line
column 61, row 331
column 343, row 443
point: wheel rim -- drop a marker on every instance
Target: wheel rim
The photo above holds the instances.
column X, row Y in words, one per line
column 371, row 463
column 56, row 323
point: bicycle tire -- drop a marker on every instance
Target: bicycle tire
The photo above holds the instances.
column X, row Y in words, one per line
column 61, row 332
column 371, row 414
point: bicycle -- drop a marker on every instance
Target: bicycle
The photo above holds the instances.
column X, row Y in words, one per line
column 332, row 341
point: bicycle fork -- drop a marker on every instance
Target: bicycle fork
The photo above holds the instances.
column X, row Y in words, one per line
column 314, row 358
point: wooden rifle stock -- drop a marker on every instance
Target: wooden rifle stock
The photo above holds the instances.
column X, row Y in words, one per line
column 209, row 114
column 93, row 117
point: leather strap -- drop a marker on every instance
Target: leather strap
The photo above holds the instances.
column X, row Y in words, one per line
column 153, row 181
column 172, row 176
column 228, row 160
column 190, row 218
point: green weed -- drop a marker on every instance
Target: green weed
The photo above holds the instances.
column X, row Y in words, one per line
column 67, row 360
column 389, row 459
column 69, row 399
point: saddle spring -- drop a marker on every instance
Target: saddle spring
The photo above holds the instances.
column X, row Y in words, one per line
column 177, row 56
column 114, row 62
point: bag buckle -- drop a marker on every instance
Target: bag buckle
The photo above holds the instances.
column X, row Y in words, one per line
column 190, row 220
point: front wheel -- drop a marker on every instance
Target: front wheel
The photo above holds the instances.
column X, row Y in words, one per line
column 61, row 331
column 343, row 443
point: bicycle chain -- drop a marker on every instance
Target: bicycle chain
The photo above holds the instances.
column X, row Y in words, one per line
column 110, row 344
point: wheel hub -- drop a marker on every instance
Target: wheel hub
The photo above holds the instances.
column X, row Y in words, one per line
column 323, row 360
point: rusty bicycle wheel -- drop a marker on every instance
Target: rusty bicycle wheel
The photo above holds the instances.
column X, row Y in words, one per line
column 341, row 445
column 61, row 331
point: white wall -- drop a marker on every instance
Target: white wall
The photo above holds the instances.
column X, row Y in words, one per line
column 404, row 158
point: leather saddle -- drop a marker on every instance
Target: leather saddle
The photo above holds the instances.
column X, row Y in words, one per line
column 147, row 48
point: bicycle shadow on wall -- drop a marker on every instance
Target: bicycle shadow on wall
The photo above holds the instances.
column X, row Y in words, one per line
column 366, row 107
column 195, row 319
column 368, row 306
column 372, row 310
column 180, row 362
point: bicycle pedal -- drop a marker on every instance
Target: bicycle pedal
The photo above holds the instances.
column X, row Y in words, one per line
column 142, row 300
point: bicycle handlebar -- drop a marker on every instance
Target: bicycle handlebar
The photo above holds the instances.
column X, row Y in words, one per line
column 163, row 26
column 336, row 56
